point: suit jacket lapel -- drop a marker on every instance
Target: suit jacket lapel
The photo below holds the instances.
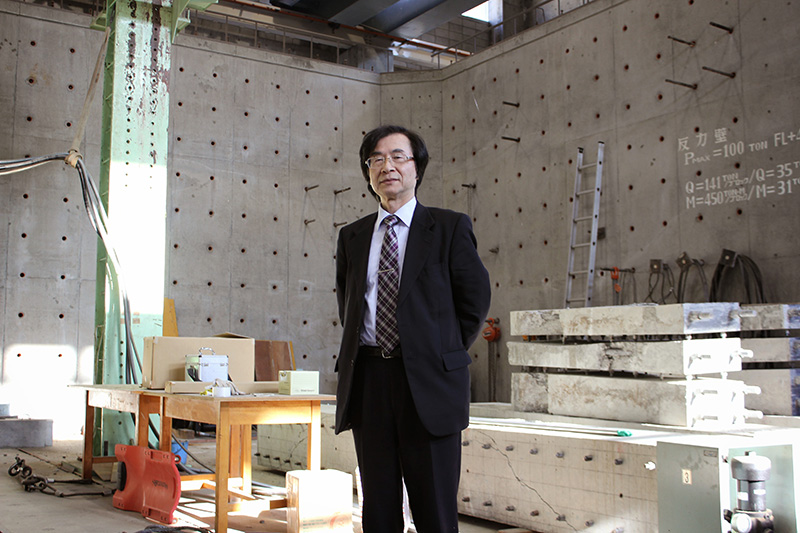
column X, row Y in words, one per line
column 420, row 236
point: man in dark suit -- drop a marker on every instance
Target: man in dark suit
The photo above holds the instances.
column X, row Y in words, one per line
column 413, row 295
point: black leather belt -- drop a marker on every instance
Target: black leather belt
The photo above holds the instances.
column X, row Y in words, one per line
column 375, row 351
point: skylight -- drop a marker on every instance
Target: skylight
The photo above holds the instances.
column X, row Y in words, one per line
column 480, row 12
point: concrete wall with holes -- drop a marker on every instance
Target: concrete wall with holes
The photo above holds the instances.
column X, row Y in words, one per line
column 264, row 169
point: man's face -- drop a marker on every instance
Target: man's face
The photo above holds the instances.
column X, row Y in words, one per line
column 393, row 181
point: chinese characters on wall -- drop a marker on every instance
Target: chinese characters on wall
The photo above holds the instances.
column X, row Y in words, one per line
column 739, row 184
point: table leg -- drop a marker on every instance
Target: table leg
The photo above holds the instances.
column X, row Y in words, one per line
column 165, row 438
column 88, row 440
column 223, row 467
column 247, row 459
column 314, row 431
column 147, row 405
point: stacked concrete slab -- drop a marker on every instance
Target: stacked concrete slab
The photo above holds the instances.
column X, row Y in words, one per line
column 775, row 366
column 636, row 363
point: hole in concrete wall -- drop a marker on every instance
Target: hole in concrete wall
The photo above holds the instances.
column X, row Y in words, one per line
column 178, row 139
column 739, row 211
column 214, row 75
column 63, row 237
column 625, row 28
column 24, row 235
column 247, row 114
column 632, row 228
column 181, row 69
column 700, row 218
column 244, row 250
column 22, row 274
column 213, row 109
column 29, row 119
column 175, row 246
column 33, row 43
column 21, row 315
column 664, row 223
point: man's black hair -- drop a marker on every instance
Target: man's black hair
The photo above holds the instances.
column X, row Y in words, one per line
column 371, row 139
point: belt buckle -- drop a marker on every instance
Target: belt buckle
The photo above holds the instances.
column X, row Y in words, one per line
column 385, row 355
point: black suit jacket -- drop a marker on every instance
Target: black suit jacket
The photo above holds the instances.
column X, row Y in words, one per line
column 443, row 301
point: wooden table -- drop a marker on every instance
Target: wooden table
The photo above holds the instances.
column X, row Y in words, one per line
column 126, row 398
column 233, row 417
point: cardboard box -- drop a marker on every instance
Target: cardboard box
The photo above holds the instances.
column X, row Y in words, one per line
column 319, row 500
column 298, row 382
column 164, row 358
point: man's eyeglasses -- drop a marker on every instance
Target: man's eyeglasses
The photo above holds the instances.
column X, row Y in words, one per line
column 377, row 161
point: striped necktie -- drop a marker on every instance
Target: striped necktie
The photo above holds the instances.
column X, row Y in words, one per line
column 386, row 333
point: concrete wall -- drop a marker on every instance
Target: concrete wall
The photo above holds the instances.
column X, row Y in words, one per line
column 250, row 250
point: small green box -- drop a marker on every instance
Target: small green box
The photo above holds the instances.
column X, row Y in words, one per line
column 295, row 382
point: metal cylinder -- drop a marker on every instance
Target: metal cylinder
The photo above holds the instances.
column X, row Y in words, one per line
column 750, row 472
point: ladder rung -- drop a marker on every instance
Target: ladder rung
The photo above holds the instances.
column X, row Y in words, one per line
column 587, row 191
column 581, row 245
column 588, row 165
column 576, row 299
column 581, row 219
column 579, row 272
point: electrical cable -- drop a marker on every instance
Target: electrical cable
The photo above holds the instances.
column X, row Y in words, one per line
column 98, row 218
column 752, row 281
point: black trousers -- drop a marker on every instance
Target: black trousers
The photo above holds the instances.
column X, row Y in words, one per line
column 392, row 445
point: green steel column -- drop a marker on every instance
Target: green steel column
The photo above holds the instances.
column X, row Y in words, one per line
column 133, row 185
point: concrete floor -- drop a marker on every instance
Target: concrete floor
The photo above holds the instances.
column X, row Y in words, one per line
column 23, row 512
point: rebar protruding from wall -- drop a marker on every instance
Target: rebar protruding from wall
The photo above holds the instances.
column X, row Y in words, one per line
column 515, row 139
column 468, row 185
column 337, row 224
column 515, row 104
column 721, row 73
column 677, row 40
column 337, row 191
column 310, row 187
column 720, row 26
column 692, row 86
column 309, row 221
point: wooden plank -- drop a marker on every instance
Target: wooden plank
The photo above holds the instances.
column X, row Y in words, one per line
column 197, row 387
column 271, row 357
column 283, row 413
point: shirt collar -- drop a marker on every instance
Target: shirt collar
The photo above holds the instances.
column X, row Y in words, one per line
column 405, row 213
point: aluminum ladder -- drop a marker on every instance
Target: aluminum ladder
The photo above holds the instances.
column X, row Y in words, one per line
column 586, row 250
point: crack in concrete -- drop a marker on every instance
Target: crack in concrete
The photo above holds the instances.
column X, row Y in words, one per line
column 522, row 483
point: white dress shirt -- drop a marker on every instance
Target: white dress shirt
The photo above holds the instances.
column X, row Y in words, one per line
column 405, row 214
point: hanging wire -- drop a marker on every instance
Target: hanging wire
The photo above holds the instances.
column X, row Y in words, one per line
column 98, row 218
